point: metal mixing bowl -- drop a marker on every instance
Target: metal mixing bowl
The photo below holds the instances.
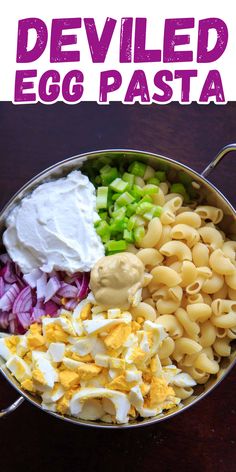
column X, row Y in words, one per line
column 209, row 194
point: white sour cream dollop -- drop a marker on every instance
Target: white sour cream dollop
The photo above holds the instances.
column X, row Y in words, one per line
column 53, row 228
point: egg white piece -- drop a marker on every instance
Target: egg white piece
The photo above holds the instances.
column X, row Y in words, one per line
column 120, row 401
column 56, row 351
column 19, row 368
column 49, row 373
column 52, row 395
column 5, row 352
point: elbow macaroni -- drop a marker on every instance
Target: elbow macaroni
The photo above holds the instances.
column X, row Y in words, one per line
column 190, row 286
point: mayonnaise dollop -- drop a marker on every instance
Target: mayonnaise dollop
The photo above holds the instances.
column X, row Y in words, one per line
column 53, row 228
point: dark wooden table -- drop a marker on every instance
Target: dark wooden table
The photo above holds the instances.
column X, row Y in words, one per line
column 32, row 138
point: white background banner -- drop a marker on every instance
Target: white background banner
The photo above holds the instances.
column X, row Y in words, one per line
column 113, row 80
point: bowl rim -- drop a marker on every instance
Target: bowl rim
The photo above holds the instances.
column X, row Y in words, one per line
column 96, row 154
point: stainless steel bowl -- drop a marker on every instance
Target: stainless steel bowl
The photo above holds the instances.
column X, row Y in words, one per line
column 209, row 194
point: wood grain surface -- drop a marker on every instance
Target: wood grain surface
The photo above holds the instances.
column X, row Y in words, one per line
column 32, row 138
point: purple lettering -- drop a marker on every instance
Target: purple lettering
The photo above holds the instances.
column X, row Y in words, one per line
column 126, row 39
column 23, row 54
column 21, row 85
column 106, row 87
column 58, row 40
column 185, row 76
column 49, row 92
column 73, row 93
column 138, row 87
column 171, row 40
column 99, row 47
column 141, row 54
column 160, row 80
column 212, row 87
column 203, row 54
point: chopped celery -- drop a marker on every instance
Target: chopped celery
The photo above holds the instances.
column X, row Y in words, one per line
column 117, row 226
column 119, row 214
column 134, row 221
column 139, row 234
column 144, row 207
column 161, row 175
column 153, row 181
column 102, row 196
column 120, row 245
column 103, row 215
column 147, row 198
column 150, row 189
column 128, row 236
column 125, row 199
column 178, row 188
column 156, row 210
column 115, row 196
column 108, row 174
column 119, row 185
column 184, row 178
column 128, row 178
column 137, row 192
column 137, row 168
column 131, row 209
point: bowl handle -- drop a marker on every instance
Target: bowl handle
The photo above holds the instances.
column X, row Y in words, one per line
column 222, row 153
column 12, row 407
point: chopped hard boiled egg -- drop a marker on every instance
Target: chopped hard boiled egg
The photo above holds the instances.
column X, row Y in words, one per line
column 95, row 364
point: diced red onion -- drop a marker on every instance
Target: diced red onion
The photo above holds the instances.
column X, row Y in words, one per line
column 13, row 326
column 71, row 304
column 23, row 319
column 9, row 297
column 4, row 320
column 56, row 300
column 52, row 287
column 23, row 303
column 36, row 314
column 84, row 286
column 68, row 291
column 4, row 258
column 8, row 273
column 2, row 287
column 50, row 308
column 41, row 287
column 32, row 277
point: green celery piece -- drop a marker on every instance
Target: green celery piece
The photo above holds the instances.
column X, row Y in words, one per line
column 117, row 226
column 150, row 189
column 144, row 207
column 108, row 174
column 137, row 168
column 128, row 236
column 178, row 188
column 139, row 234
column 161, row 175
column 103, row 215
column 118, row 185
column 184, row 178
column 134, row 221
column 102, row 197
column 125, row 199
column 128, row 178
column 119, row 214
column 115, row 196
column 120, row 245
column 154, row 181
column 102, row 228
column 158, row 210
column 137, row 192
column 146, row 198
column 131, row 209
